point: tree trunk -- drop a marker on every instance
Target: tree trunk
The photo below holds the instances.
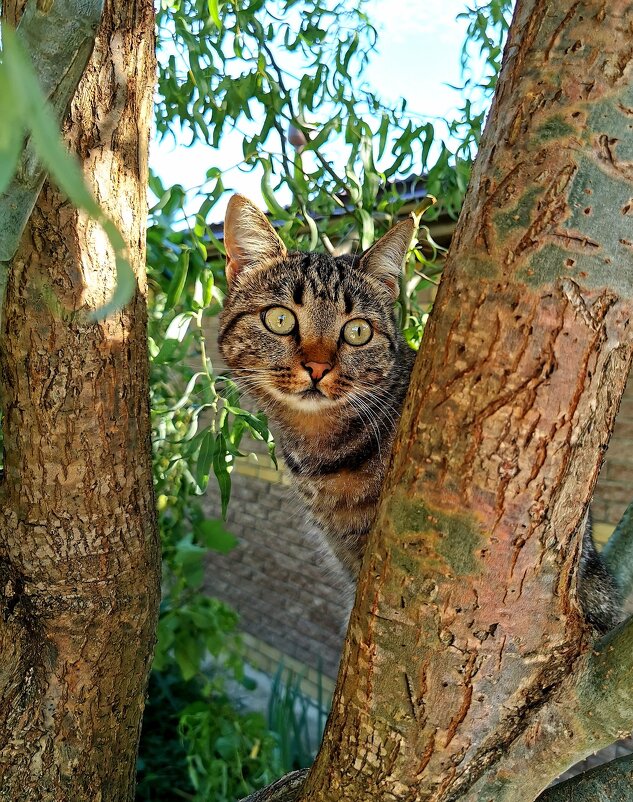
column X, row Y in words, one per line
column 79, row 554
column 466, row 635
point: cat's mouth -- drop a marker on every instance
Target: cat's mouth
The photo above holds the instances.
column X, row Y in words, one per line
column 312, row 392
column 312, row 399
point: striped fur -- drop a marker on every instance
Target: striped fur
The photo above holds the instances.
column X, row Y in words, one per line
column 336, row 442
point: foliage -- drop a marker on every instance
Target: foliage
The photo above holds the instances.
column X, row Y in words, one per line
column 236, row 64
column 198, row 429
column 481, row 62
column 197, row 433
column 199, row 746
column 285, row 75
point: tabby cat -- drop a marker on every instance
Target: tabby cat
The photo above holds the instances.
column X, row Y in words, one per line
column 315, row 340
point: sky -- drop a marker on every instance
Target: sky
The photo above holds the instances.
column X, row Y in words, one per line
column 418, row 56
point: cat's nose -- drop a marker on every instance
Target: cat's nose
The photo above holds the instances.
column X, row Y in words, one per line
column 317, row 370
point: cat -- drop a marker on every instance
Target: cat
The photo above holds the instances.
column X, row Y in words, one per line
column 315, row 340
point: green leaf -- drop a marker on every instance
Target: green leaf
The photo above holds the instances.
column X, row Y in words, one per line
column 179, row 326
column 184, row 398
column 178, row 280
column 205, row 458
column 314, row 231
column 44, row 131
column 220, row 468
column 214, row 12
column 269, row 196
column 188, row 559
column 125, row 286
column 215, row 536
column 188, row 653
column 208, row 282
column 367, row 228
column 11, row 131
column 63, row 168
column 383, row 131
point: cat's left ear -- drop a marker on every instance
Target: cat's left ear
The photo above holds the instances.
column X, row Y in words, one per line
column 384, row 259
column 249, row 239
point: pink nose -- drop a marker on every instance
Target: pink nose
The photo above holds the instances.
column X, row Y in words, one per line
column 317, row 370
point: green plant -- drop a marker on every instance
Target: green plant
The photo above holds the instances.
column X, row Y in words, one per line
column 26, row 109
column 198, row 745
column 296, row 719
column 280, row 72
column 230, row 753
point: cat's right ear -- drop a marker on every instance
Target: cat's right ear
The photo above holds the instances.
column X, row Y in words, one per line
column 249, row 239
column 384, row 260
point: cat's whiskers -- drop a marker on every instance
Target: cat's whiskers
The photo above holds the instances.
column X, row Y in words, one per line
column 384, row 408
column 367, row 391
column 251, row 383
column 377, row 396
column 263, row 403
column 352, row 426
column 374, row 388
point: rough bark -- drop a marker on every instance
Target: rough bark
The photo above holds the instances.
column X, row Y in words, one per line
column 79, row 555
column 466, row 622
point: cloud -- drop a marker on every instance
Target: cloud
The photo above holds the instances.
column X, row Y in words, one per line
column 403, row 20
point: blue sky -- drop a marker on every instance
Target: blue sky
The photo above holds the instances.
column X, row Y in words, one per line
column 418, row 55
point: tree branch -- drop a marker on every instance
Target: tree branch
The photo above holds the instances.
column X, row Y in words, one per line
column 287, row 789
column 604, row 687
column 618, row 553
column 59, row 37
column 592, row 709
column 457, row 677
column 609, row 783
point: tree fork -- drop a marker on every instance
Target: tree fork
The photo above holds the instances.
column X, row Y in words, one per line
column 466, row 621
column 79, row 553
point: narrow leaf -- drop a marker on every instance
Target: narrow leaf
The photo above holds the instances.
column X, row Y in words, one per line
column 205, row 458
column 177, row 283
column 214, row 12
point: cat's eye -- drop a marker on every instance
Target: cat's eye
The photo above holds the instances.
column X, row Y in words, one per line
column 357, row 332
column 279, row 320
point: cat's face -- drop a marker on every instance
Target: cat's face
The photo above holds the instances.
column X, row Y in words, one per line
column 307, row 330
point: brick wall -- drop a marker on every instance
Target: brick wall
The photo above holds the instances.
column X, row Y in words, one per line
column 287, row 595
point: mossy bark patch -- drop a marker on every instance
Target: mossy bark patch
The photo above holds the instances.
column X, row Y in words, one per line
column 453, row 537
column 520, row 216
column 554, row 128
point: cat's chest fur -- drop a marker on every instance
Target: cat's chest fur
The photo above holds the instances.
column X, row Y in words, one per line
column 338, row 464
